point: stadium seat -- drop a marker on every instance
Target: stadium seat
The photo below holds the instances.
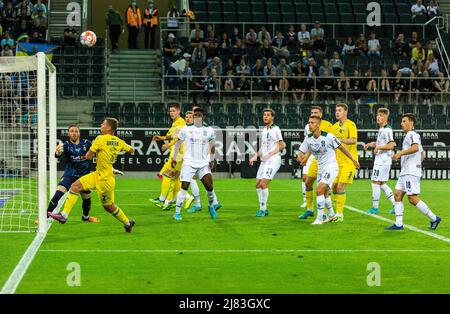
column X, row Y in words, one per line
column 437, row 110
column 99, row 108
column 244, row 17
column 114, row 109
column 345, row 8
column 230, row 16
column 259, row 18
column 144, row 108
column 242, row 6
column 303, row 17
column 97, row 118
column 301, row 8
column 442, row 122
column 143, row 121
column 215, row 16
column 330, row 8
column 214, row 6
column 199, row 6
column 201, row 16
column 289, row 17
column 408, row 108
column 258, row 7
column 422, row 110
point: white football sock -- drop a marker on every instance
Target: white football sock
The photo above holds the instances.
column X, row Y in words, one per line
column 180, row 200
column 398, row 214
column 376, row 192
column 212, row 199
column 304, row 191
column 329, row 206
column 320, row 206
column 258, row 191
column 389, row 194
column 195, row 191
column 264, row 198
column 425, row 210
column 162, row 198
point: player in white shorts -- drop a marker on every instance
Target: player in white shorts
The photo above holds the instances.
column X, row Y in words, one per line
column 323, row 145
column 271, row 145
column 383, row 151
column 410, row 174
column 199, row 154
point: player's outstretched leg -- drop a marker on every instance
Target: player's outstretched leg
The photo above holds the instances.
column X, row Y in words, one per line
column 72, row 198
column 213, row 204
column 424, row 209
column 118, row 213
column 55, row 199
column 86, row 196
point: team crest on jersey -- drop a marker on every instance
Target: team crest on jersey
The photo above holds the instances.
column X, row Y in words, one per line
column 204, row 133
column 323, row 143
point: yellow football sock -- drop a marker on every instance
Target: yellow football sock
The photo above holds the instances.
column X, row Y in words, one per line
column 120, row 216
column 165, row 187
column 176, row 188
column 333, row 199
column 309, row 200
column 340, row 202
column 70, row 203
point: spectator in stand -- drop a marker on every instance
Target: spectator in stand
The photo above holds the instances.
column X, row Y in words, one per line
column 196, row 41
column 413, row 86
column 212, row 45
column 319, row 47
column 268, row 68
column 9, row 17
column 432, row 66
column 169, row 50
column 173, row 19
column 24, row 22
column 114, row 22
column 237, row 51
column 317, row 30
column 433, row 9
column 374, row 46
column 228, row 85
column 426, row 87
column 236, row 35
column 412, row 42
column 299, row 81
column 27, row 5
column 283, row 66
column 336, row 64
column 283, row 84
column 212, row 85
column 271, row 80
column 415, row 53
column 303, row 34
column 134, row 24
column 199, row 55
column 279, row 45
column 418, row 9
column 151, row 16
column 325, row 84
column 195, row 30
column 30, row 117
column 243, row 68
column 39, row 29
column 40, row 10
column 305, row 48
column 7, row 40
column 361, row 45
column 429, row 51
column 442, row 84
column 263, row 35
column 251, row 38
column 385, row 84
column 401, row 47
column 258, row 71
column 349, row 48
column 371, row 83
column 230, row 67
column 215, row 64
column 342, row 83
column 311, row 74
column 243, row 83
column 6, row 51
column 325, row 66
column 266, row 51
column 400, row 86
column 291, row 38
column 177, row 68
column 356, row 86
column 225, row 45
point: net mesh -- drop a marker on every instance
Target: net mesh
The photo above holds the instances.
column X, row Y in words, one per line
column 18, row 144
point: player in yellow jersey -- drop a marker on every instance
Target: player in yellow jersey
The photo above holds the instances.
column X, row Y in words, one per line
column 346, row 131
column 310, row 169
column 105, row 147
column 171, row 175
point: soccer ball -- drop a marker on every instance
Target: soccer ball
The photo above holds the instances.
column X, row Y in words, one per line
column 88, row 39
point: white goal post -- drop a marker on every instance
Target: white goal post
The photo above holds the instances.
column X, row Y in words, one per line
column 27, row 142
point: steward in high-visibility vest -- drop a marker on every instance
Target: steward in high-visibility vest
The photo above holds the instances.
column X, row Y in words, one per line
column 134, row 23
column 150, row 24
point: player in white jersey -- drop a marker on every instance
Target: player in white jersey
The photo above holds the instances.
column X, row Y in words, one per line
column 383, row 149
column 199, row 158
column 323, row 145
column 271, row 145
column 410, row 174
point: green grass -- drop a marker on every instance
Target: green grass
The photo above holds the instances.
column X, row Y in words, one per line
column 189, row 256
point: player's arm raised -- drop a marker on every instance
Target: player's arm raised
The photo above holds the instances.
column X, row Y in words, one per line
column 413, row 149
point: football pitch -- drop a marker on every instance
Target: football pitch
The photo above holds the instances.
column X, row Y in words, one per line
column 239, row 253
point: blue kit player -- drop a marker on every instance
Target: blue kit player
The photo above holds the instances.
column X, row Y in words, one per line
column 73, row 151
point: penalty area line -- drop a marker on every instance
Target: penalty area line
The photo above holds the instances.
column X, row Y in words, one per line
column 245, row 251
column 412, row 228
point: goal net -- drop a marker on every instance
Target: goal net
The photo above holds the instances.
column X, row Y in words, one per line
column 27, row 130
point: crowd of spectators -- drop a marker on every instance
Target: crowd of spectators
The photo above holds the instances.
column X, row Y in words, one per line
column 303, row 61
column 22, row 20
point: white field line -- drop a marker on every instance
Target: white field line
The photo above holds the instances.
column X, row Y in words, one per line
column 21, row 268
column 247, row 251
column 412, row 228
column 253, row 190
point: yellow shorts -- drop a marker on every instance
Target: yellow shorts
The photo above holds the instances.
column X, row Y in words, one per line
column 346, row 174
column 313, row 169
column 171, row 172
column 104, row 187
